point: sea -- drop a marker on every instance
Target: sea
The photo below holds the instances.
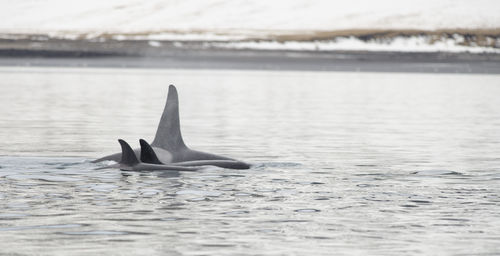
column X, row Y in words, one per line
column 343, row 163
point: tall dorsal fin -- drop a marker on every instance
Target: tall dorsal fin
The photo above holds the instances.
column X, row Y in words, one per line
column 128, row 155
column 148, row 155
column 168, row 135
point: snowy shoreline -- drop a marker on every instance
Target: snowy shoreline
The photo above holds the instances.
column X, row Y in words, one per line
column 395, row 44
column 453, row 41
column 44, row 51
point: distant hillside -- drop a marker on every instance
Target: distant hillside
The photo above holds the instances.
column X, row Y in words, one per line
column 448, row 23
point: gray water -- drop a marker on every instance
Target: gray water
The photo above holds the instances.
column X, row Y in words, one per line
column 343, row 163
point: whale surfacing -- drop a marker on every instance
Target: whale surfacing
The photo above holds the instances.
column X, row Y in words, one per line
column 168, row 147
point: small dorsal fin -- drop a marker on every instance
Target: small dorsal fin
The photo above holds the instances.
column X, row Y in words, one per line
column 148, row 155
column 128, row 155
column 168, row 135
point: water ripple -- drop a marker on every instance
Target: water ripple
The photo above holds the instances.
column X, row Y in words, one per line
column 343, row 163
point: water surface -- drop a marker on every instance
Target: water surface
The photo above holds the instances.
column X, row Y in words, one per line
column 351, row 163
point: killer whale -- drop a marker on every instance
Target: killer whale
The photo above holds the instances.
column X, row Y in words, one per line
column 148, row 155
column 168, row 145
column 129, row 162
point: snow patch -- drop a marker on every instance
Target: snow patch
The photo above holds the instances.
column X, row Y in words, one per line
column 154, row 43
column 398, row 44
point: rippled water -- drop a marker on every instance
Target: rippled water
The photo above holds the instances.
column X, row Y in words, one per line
column 344, row 163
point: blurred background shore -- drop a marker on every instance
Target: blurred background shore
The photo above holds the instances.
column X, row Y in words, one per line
column 387, row 35
column 189, row 55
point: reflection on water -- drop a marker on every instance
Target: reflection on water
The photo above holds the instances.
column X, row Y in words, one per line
column 358, row 163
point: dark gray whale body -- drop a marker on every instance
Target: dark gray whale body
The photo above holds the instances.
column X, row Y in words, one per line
column 129, row 162
column 168, row 147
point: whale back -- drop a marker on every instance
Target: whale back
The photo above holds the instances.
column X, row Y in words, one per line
column 148, row 155
column 128, row 155
column 168, row 135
